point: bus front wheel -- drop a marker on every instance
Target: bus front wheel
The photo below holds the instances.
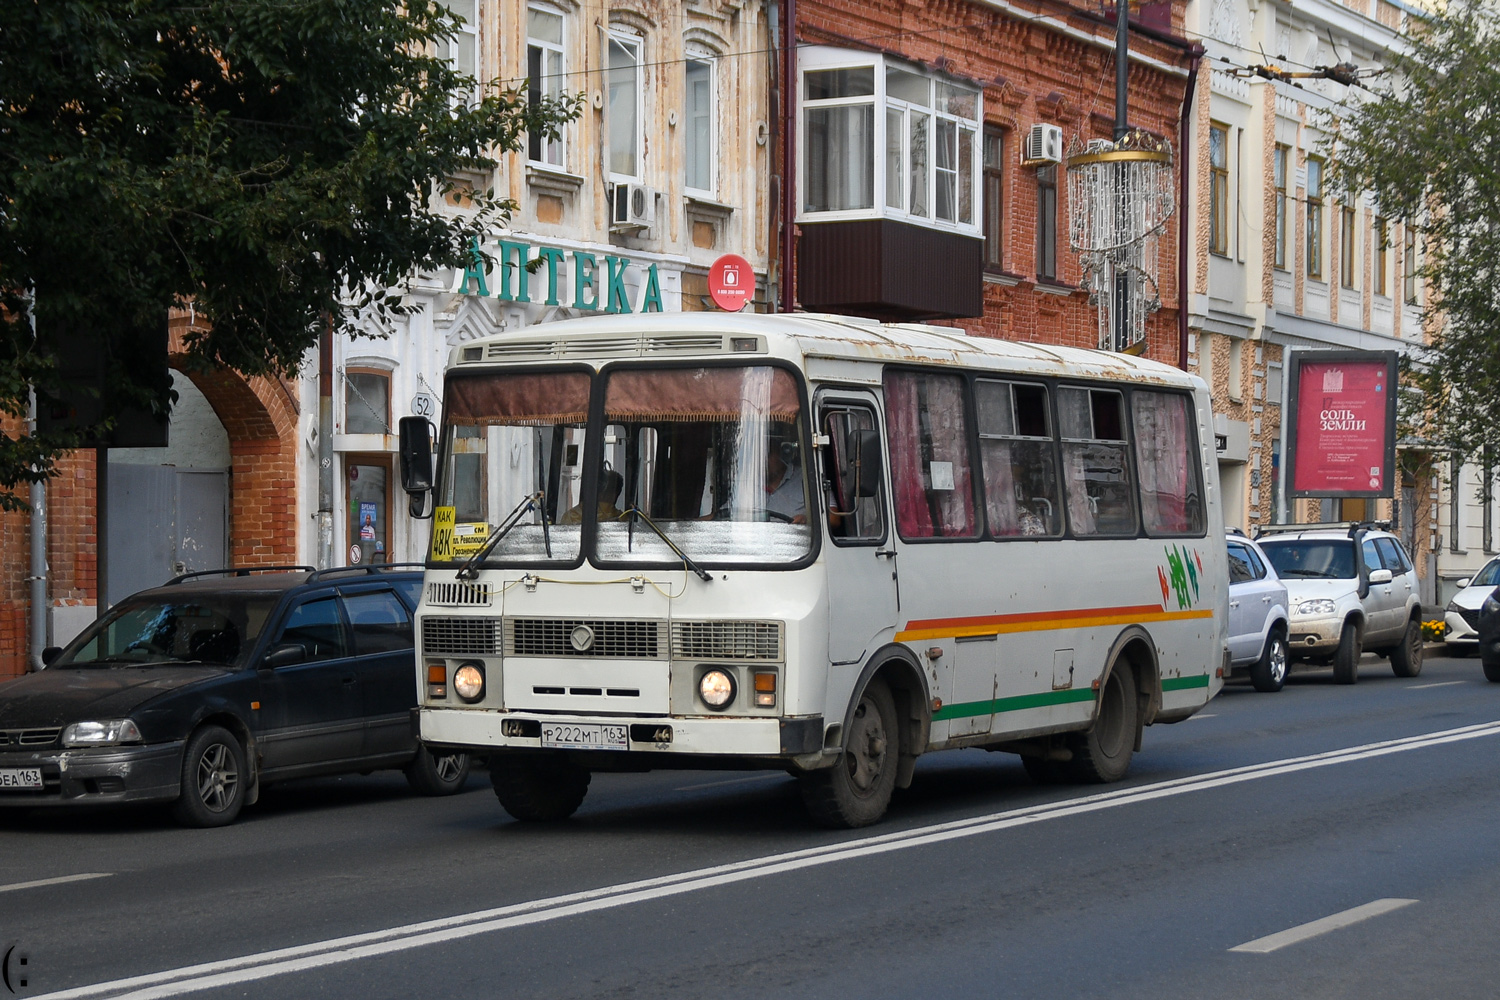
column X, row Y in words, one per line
column 857, row 790
column 537, row 788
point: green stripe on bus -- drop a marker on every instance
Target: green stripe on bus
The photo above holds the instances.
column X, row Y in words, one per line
column 1017, row 704
column 1182, row 683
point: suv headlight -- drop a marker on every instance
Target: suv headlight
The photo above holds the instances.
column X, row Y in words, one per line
column 101, row 734
column 1453, row 606
column 1322, row 606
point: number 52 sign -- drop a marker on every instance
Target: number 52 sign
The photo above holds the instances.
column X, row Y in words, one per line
column 423, row 405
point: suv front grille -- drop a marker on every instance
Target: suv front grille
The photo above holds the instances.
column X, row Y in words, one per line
column 622, row 639
column 726, row 640
column 10, row 738
column 460, row 636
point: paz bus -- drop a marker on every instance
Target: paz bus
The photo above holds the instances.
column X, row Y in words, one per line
column 809, row 543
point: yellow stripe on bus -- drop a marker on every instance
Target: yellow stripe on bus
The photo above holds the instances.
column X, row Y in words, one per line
column 1048, row 624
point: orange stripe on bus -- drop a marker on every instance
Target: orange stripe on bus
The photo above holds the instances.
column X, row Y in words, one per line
column 1039, row 621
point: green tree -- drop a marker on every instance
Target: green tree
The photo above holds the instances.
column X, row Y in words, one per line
column 273, row 162
column 1428, row 147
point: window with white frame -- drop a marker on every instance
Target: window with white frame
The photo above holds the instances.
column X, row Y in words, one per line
column 698, row 122
column 462, row 50
column 545, row 75
column 926, row 127
column 625, row 105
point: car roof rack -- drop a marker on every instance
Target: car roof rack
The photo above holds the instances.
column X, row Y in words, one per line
column 373, row 569
column 1236, row 531
column 239, row 571
column 1353, row 527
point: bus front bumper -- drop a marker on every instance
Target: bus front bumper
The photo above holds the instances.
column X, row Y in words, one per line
column 478, row 729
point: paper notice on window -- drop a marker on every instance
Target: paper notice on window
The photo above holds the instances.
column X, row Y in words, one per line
column 940, row 474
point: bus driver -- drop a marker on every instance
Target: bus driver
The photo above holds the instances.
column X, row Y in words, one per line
column 784, row 494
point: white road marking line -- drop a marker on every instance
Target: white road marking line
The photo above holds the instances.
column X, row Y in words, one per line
column 54, row 881
column 318, row 954
column 1437, row 684
column 1311, row 929
column 731, row 781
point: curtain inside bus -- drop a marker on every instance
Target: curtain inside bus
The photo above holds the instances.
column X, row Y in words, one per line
column 1171, row 497
column 930, row 466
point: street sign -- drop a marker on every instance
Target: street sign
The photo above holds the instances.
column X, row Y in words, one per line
column 423, row 405
column 731, row 282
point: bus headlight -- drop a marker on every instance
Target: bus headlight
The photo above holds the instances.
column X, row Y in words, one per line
column 716, row 688
column 468, row 681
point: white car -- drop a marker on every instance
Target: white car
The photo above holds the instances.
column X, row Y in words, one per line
column 1257, row 616
column 1462, row 613
column 1350, row 588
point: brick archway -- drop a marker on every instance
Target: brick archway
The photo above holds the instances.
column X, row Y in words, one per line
column 260, row 416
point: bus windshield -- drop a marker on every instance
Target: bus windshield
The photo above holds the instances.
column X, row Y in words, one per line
column 713, row 456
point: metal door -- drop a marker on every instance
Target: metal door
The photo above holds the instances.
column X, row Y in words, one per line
column 163, row 521
column 859, row 552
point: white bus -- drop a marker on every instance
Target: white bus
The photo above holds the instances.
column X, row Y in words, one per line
column 809, row 543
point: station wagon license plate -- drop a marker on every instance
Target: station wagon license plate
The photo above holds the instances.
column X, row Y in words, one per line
column 585, row 737
column 21, row 777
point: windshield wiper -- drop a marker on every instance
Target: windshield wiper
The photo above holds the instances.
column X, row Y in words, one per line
column 635, row 512
column 531, row 502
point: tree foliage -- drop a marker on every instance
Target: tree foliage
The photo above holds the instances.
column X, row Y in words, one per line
column 273, row 162
column 1428, row 148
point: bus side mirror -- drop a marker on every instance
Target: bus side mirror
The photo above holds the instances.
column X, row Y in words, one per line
column 864, row 458
column 416, row 455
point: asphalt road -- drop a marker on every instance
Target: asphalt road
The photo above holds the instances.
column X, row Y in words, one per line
column 1368, row 813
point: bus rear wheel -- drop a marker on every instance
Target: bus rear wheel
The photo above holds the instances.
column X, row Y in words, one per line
column 537, row 788
column 1102, row 753
column 857, row 790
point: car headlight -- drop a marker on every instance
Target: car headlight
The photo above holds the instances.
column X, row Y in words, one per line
column 468, row 681
column 1319, row 607
column 101, row 734
column 716, row 688
column 1453, row 606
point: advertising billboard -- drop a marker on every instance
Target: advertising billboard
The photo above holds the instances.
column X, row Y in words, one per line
column 1343, row 430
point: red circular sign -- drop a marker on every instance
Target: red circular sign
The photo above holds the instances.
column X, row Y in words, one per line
column 731, row 282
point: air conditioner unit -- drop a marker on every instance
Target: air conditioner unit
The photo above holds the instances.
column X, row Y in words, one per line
column 1043, row 145
column 634, row 206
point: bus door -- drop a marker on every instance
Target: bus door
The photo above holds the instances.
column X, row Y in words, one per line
column 861, row 559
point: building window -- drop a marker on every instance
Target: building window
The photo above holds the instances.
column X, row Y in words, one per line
column 1279, row 161
column 1348, row 247
column 994, row 200
column 625, row 106
column 1409, row 264
column 544, row 77
column 1046, row 222
column 463, row 49
column 1218, row 208
column 925, row 126
column 1382, row 256
column 840, row 147
column 1314, row 217
column 699, row 124
column 367, row 403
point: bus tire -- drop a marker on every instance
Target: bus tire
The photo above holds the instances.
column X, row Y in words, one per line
column 1346, row 660
column 1102, row 752
column 857, row 789
column 538, row 789
column 1406, row 659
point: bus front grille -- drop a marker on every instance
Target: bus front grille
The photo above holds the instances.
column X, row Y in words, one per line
column 460, row 636
column 726, row 641
column 592, row 637
column 459, row 595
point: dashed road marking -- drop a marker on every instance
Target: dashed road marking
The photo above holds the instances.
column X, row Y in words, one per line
column 54, row 881
column 1313, row 928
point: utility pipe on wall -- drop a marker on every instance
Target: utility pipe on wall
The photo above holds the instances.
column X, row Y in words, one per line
column 1184, row 146
column 325, row 447
column 37, row 581
column 789, row 156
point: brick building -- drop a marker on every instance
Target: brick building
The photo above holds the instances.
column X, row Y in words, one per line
column 946, row 219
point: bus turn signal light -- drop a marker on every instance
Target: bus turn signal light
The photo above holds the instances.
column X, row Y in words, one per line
column 437, row 680
column 765, row 689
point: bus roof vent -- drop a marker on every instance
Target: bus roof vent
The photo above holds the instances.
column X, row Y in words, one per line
column 691, row 343
column 539, row 349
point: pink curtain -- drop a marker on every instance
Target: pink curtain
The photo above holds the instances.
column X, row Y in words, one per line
column 1171, row 502
column 929, row 441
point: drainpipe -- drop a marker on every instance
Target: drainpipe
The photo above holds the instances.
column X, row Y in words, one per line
column 325, row 447
column 789, row 156
column 37, row 581
column 1185, row 147
column 775, row 278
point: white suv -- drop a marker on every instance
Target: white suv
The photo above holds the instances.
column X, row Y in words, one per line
column 1350, row 588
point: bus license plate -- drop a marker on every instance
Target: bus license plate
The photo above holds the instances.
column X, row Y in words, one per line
column 21, row 777
column 584, row 737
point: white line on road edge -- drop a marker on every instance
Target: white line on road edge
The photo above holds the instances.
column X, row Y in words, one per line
column 301, row 958
column 730, row 781
column 54, row 881
column 1438, row 684
column 1311, row 929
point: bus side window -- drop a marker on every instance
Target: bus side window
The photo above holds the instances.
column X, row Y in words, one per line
column 1096, row 467
column 1016, row 452
column 1171, row 489
column 931, row 472
column 849, row 517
